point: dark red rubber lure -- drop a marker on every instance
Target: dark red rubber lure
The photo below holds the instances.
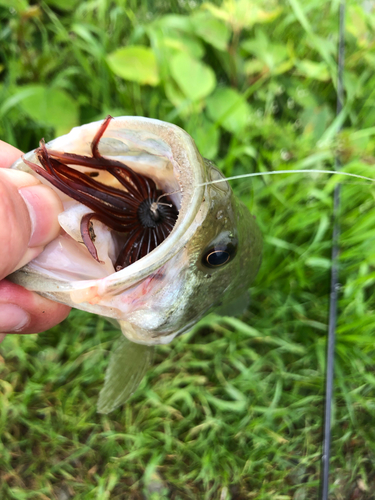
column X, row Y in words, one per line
column 136, row 211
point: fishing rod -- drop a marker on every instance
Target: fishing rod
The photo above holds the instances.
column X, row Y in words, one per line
column 326, row 444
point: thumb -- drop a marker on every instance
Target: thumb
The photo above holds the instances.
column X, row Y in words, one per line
column 28, row 218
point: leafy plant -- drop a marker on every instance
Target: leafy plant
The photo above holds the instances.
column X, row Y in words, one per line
column 234, row 408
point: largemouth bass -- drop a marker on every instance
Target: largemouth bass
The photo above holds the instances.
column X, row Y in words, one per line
column 211, row 255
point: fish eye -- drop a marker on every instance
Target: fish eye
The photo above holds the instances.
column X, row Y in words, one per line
column 219, row 255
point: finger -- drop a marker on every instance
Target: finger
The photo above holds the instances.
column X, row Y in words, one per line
column 36, row 314
column 18, row 178
column 8, row 154
column 28, row 219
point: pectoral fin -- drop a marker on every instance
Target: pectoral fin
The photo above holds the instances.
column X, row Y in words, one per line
column 127, row 366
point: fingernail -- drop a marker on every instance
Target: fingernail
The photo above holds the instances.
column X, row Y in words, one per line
column 44, row 206
column 12, row 318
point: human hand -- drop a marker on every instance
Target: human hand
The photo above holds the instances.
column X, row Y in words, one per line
column 28, row 221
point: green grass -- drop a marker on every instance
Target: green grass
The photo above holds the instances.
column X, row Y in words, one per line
column 233, row 409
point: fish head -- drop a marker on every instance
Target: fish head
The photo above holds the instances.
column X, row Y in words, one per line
column 212, row 254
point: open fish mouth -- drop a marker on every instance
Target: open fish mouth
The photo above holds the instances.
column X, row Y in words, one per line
column 101, row 237
column 128, row 202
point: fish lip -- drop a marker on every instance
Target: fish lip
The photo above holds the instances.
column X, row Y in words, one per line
column 131, row 333
column 183, row 148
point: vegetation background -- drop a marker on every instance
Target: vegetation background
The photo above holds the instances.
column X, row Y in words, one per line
column 232, row 410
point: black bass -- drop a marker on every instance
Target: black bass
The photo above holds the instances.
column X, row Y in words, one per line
column 208, row 249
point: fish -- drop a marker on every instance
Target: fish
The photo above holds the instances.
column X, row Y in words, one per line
column 209, row 256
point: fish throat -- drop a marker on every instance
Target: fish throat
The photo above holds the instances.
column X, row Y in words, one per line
column 133, row 209
column 151, row 213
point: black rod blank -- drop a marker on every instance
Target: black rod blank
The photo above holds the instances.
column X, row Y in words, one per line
column 334, row 278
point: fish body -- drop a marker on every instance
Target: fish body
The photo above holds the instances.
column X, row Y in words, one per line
column 211, row 256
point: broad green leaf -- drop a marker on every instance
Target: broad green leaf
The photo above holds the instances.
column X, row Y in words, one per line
column 211, row 30
column 283, row 67
column 184, row 106
column 185, row 43
column 175, row 21
column 135, row 63
column 167, row 42
column 228, row 107
column 253, row 66
column 356, row 25
column 16, row 98
column 174, row 94
column 19, row 5
column 195, row 79
column 205, row 134
column 242, row 13
column 49, row 106
column 312, row 69
column 273, row 55
column 318, row 262
column 127, row 366
column 315, row 120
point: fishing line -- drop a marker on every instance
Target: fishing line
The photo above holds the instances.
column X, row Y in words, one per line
column 275, row 172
